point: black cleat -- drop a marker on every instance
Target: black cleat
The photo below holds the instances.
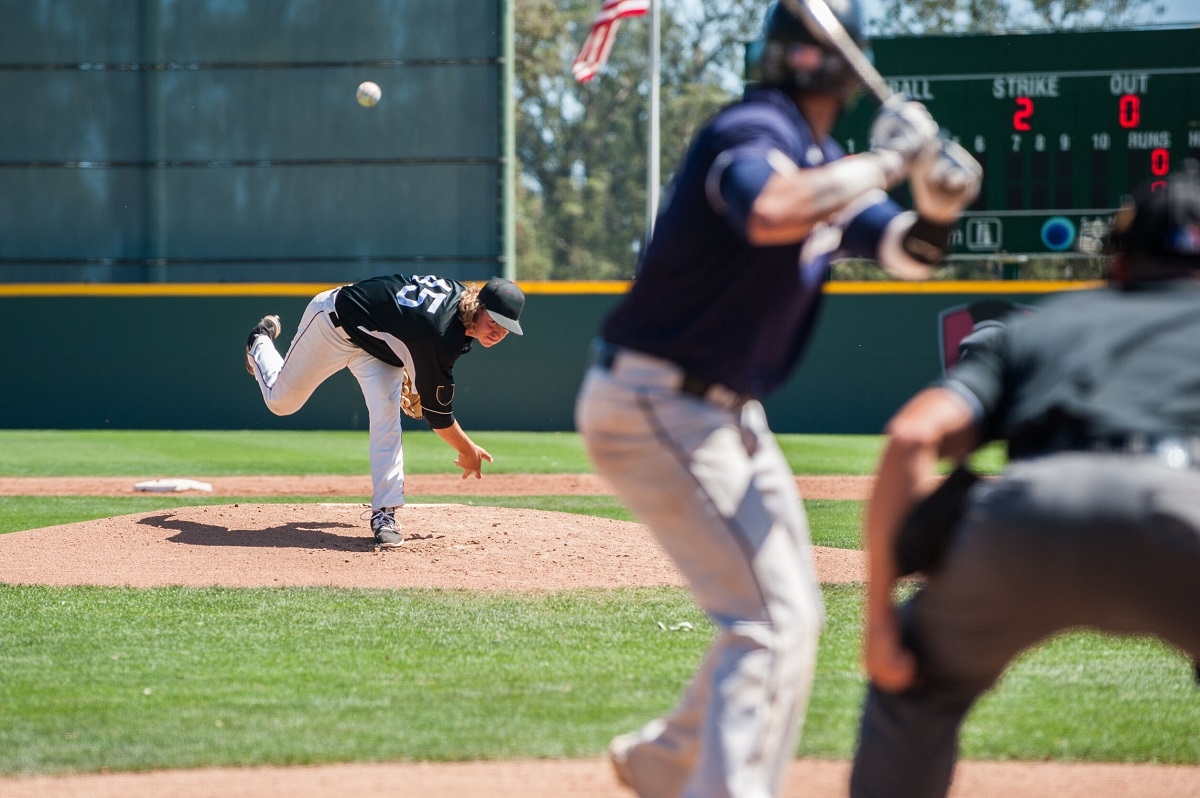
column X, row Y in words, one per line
column 387, row 531
column 270, row 327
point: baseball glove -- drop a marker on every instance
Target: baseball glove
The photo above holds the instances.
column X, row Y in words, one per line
column 926, row 533
column 410, row 400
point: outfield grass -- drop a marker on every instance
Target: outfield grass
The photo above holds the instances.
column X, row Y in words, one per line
column 230, row 453
column 118, row 678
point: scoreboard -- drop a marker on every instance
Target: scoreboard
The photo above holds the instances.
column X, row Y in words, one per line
column 1064, row 124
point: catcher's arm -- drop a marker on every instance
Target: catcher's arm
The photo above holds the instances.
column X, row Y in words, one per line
column 933, row 425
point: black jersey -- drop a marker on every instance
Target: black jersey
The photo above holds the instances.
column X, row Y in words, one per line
column 1090, row 365
column 410, row 321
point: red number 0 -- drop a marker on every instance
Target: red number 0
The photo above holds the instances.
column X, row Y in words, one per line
column 1160, row 162
column 1129, row 111
column 1022, row 114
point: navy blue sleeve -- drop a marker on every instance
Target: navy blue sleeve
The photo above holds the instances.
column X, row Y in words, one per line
column 743, row 139
column 862, row 235
column 739, row 176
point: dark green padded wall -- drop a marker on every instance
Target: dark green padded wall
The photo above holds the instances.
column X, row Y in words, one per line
column 148, row 140
column 157, row 362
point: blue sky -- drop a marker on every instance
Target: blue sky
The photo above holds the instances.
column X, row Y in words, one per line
column 1181, row 11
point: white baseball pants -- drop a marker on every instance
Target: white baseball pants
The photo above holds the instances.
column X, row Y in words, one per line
column 317, row 352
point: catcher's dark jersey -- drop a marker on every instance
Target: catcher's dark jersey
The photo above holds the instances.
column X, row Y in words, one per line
column 1091, row 366
column 708, row 300
column 410, row 321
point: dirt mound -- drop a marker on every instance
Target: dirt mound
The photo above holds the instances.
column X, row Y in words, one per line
column 264, row 545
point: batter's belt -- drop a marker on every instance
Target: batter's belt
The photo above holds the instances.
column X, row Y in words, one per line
column 629, row 362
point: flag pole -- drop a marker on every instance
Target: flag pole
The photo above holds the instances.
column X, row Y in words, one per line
column 652, row 167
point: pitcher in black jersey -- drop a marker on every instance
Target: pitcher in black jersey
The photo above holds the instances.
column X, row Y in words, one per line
column 383, row 329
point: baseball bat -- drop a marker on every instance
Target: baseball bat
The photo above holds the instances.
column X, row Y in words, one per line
column 824, row 23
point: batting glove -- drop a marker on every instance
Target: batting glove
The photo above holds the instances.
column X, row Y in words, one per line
column 944, row 182
column 901, row 132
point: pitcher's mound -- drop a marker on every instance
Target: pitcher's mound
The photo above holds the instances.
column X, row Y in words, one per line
column 272, row 545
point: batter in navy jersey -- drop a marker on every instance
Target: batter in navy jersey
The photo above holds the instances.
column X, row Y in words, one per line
column 718, row 317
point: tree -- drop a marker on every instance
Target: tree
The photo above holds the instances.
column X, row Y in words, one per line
column 581, row 148
column 1003, row 16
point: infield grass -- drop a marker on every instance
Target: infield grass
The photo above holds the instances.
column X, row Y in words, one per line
column 123, row 679
column 129, row 679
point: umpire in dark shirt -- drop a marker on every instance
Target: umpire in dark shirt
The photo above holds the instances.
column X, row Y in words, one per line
column 1096, row 522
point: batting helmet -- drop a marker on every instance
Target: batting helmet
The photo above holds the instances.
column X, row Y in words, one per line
column 791, row 57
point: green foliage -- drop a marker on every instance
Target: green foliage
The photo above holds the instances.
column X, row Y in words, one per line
column 1003, row 16
column 1011, row 268
column 582, row 147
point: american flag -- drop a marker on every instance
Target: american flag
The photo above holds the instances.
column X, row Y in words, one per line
column 594, row 55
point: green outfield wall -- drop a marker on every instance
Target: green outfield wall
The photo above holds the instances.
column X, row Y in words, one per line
column 152, row 141
column 172, row 357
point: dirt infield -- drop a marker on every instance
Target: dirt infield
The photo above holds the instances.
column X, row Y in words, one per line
column 416, row 485
column 328, row 544
column 484, row 548
column 583, row 778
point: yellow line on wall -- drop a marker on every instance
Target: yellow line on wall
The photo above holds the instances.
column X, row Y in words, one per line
column 961, row 287
column 162, row 289
column 530, row 287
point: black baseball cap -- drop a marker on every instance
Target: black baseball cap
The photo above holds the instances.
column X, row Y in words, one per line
column 504, row 301
column 1162, row 217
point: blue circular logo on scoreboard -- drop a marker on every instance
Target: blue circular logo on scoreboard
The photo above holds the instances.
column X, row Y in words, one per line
column 1058, row 233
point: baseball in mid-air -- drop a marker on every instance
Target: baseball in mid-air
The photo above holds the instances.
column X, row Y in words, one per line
column 369, row 94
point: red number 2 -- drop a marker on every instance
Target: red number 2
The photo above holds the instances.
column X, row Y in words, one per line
column 1022, row 114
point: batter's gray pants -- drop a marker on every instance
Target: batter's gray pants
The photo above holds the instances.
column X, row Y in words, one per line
column 717, row 492
column 1071, row 540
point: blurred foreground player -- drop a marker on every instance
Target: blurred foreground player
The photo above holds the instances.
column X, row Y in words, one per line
column 1096, row 522
column 719, row 315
